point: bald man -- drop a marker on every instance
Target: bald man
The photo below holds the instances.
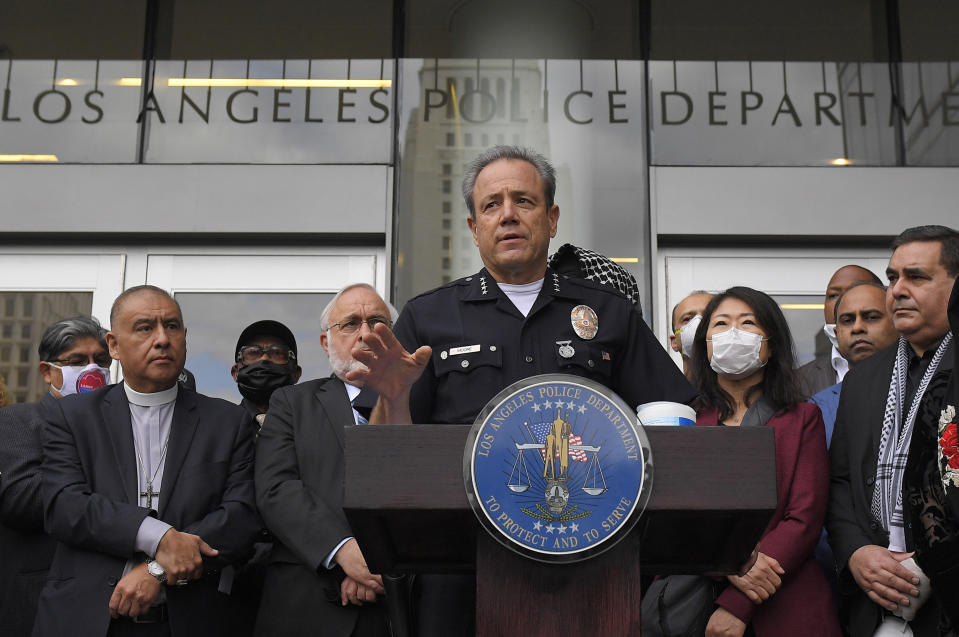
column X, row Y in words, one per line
column 686, row 316
column 828, row 369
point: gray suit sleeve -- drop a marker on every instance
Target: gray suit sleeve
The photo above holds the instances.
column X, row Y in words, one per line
column 305, row 521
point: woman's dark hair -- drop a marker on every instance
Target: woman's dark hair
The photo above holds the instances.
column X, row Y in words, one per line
column 779, row 385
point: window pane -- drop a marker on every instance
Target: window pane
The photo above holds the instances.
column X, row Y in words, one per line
column 215, row 320
column 71, row 111
column 272, row 123
column 590, row 127
column 843, row 30
column 804, row 317
column 930, row 114
column 250, row 29
column 19, row 346
column 70, row 30
column 529, row 29
column 928, row 30
column 739, row 113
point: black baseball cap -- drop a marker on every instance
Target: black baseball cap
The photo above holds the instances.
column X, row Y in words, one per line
column 266, row 328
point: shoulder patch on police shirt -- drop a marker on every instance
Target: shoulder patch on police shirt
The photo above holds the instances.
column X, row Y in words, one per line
column 465, row 281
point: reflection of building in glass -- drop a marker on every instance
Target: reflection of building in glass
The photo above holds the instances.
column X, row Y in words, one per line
column 23, row 318
column 465, row 107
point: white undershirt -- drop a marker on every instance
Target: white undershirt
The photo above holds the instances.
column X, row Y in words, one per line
column 523, row 296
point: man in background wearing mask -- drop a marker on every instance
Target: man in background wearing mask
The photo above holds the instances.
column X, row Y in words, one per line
column 828, row 369
column 265, row 361
column 74, row 360
column 686, row 316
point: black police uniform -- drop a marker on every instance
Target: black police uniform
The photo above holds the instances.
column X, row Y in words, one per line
column 482, row 344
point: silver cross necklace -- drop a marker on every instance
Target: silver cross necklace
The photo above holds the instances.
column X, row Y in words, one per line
column 149, row 493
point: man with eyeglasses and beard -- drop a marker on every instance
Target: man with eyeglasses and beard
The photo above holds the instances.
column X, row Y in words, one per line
column 318, row 578
column 265, row 361
column 73, row 359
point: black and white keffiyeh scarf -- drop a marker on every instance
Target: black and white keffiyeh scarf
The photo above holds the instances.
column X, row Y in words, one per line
column 595, row 267
column 897, row 434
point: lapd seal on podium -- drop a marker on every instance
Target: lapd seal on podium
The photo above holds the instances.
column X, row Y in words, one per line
column 557, row 468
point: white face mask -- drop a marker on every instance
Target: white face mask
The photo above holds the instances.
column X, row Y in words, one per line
column 687, row 334
column 736, row 353
column 80, row 380
column 829, row 329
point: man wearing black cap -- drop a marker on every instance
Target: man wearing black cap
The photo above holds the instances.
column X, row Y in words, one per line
column 265, row 361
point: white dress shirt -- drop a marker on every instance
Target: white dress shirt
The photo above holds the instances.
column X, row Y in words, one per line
column 840, row 364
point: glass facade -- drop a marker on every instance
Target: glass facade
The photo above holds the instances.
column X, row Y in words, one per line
column 742, row 113
column 271, row 111
column 606, row 90
column 586, row 116
column 23, row 318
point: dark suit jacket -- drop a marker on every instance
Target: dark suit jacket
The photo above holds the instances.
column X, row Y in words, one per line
column 817, row 375
column 853, row 456
column 90, row 499
column 25, row 550
column 299, row 490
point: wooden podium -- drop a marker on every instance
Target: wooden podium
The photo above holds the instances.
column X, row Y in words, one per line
column 714, row 490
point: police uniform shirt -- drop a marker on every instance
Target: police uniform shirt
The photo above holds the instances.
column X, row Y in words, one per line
column 482, row 344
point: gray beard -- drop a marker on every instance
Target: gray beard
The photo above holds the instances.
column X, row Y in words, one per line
column 343, row 366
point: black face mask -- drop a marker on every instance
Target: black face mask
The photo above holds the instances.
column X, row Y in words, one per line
column 259, row 380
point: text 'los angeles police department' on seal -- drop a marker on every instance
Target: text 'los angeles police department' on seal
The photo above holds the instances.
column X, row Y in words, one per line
column 557, row 469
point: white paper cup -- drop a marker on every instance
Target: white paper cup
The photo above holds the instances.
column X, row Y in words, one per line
column 663, row 412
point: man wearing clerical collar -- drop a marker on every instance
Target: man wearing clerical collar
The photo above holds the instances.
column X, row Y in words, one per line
column 148, row 487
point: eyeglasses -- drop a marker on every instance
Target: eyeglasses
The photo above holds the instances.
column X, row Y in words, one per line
column 82, row 360
column 352, row 325
column 275, row 353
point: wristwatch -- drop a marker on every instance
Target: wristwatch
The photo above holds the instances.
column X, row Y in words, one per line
column 154, row 569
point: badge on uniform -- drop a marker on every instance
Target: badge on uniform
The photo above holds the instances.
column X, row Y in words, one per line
column 585, row 322
column 566, row 349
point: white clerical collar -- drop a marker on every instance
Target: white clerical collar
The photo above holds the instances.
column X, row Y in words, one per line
column 352, row 390
column 154, row 399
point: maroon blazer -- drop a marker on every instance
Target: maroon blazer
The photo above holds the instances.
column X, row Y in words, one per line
column 803, row 605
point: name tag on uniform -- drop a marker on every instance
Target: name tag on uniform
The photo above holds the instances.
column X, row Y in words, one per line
column 466, row 349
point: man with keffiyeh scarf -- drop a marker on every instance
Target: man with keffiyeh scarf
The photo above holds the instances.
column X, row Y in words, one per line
column 889, row 539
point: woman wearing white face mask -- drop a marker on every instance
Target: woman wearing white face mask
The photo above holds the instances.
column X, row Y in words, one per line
column 743, row 368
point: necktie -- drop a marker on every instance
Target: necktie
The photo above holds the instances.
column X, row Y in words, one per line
column 362, row 414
